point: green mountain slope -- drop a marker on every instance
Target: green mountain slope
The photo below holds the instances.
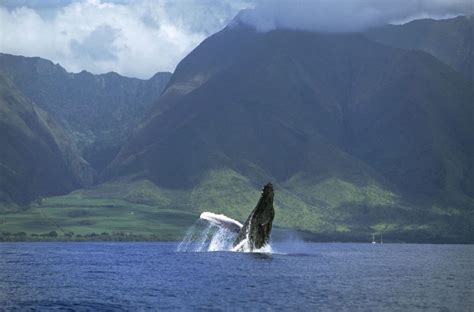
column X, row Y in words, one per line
column 36, row 158
column 342, row 211
column 98, row 112
column 450, row 40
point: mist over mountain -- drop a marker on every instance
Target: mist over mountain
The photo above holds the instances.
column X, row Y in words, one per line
column 36, row 158
column 346, row 16
column 98, row 112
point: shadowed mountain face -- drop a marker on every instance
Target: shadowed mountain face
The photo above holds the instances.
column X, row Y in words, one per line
column 36, row 158
column 298, row 103
column 355, row 135
column 98, row 112
column 450, row 40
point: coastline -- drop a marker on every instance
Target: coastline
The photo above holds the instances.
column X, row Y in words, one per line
column 281, row 236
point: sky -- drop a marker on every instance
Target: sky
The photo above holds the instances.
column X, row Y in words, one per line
column 142, row 37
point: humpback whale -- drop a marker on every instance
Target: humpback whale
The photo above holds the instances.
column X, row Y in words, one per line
column 255, row 232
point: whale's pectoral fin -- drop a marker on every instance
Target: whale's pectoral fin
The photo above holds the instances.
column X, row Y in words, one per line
column 222, row 221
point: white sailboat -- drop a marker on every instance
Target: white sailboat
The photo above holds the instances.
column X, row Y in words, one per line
column 373, row 239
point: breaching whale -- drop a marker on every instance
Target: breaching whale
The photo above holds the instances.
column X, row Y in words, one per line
column 255, row 232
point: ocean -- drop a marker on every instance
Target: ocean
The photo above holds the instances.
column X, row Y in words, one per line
column 293, row 276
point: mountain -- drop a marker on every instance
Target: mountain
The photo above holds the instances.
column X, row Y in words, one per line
column 36, row 158
column 98, row 112
column 356, row 135
column 450, row 40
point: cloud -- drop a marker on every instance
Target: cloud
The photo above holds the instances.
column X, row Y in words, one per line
column 133, row 38
column 139, row 38
column 347, row 15
column 98, row 45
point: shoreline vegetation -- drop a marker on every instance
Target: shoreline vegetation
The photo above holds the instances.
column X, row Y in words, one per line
column 54, row 236
column 281, row 235
column 140, row 211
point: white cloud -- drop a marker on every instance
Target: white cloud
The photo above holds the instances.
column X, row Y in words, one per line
column 347, row 15
column 140, row 38
column 133, row 38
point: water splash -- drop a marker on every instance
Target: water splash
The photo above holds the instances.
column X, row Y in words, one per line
column 207, row 237
column 212, row 233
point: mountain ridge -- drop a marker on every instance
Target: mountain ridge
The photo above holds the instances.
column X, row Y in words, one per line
column 36, row 160
column 97, row 111
column 450, row 40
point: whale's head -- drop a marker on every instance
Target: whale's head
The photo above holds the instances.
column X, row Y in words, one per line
column 258, row 227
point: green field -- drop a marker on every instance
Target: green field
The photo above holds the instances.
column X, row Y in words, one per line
column 87, row 216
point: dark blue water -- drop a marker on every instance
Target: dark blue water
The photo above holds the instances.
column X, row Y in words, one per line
column 153, row 276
